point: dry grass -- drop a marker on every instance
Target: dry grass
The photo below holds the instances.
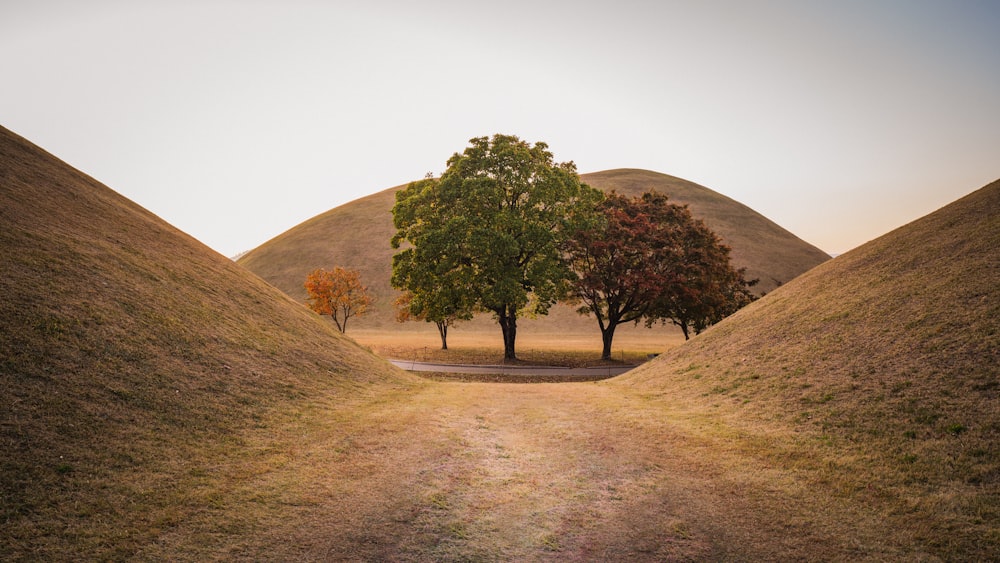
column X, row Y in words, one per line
column 634, row 345
column 882, row 387
column 529, row 473
column 161, row 403
column 136, row 365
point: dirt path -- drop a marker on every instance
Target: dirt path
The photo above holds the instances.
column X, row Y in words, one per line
column 491, row 472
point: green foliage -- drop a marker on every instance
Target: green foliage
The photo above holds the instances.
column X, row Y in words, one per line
column 956, row 429
column 488, row 233
column 434, row 290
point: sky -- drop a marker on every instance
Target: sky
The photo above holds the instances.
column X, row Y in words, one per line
column 236, row 120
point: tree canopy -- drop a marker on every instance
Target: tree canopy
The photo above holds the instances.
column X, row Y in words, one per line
column 490, row 231
column 338, row 293
column 707, row 289
column 440, row 304
column 647, row 258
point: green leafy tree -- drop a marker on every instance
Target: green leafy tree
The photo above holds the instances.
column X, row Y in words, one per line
column 491, row 229
column 409, row 310
column 434, row 290
column 443, row 308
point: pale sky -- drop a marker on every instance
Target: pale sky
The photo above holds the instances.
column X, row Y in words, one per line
column 235, row 120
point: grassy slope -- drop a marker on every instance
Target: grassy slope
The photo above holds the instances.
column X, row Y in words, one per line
column 354, row 235
column 873, row 377
column 168, row 406
column 144, row 376
column 357, row 234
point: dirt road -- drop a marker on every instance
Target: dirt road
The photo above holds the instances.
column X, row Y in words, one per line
column 579, row 471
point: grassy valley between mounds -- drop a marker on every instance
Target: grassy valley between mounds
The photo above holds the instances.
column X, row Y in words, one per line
column 162, row 403
column 356, row 235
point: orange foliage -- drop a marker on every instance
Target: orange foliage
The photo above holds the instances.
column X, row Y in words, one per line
column 338, row 293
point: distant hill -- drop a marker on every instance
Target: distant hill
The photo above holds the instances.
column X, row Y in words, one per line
column 879, row 371
column 137, row 366
column 356, row 235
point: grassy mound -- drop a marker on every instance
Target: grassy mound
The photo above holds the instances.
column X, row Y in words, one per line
column 356, row 235
column 874, row 375
column 144, row 376
column 162, row 403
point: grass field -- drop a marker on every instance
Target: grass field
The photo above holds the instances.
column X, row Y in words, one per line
column 634, row 345
column 547, row 472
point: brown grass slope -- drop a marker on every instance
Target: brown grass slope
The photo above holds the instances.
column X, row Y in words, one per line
column 145, row 378
column 356, row 235
column 873, row 377
column 353, row 235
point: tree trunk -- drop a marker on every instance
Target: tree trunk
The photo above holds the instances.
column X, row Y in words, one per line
column 607, row 335
column 684, row 329
column 508, row 324
column 341, row 327
column 443, row 331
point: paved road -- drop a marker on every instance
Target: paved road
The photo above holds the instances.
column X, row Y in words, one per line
column 597, row 371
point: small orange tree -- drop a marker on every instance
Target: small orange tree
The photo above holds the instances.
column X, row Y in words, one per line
column 337, row 293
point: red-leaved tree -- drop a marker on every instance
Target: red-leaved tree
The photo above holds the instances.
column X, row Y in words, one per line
column 624, row 261
column 707, row 288
column 338, row 293
column 648, row 258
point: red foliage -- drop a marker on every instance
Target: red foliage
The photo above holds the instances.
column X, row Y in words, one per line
column 651, row 259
